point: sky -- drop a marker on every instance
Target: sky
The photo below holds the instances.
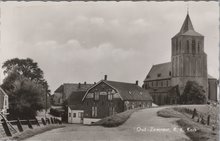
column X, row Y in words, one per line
column 75, row 42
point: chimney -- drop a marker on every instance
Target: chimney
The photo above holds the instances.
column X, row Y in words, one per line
column 79, row 85
column 136, row 82
column 85, row 83
column 105, row 77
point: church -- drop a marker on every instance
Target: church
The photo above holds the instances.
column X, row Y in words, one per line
column 166, row 81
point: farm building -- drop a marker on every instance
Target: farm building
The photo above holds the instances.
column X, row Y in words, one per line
column 107, row 98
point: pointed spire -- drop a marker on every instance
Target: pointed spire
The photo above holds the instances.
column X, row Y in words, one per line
column 187, row 25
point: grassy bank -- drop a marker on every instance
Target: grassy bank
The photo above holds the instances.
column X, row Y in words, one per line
column 31, row 132
column 194, row 130
column 115, row 120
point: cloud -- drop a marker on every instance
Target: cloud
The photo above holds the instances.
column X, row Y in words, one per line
column 80, row 41
column 97, row 21
column 141, row 22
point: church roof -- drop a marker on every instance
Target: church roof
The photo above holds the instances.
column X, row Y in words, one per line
column 162, row 71
column 187, row 28
column 159, row 71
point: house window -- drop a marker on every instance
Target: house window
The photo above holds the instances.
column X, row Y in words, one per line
column 159, row 75
column 198, row 47
column 193, row 46
column 6, row 102
column 74, row 114
column 94, row 111
column 110, row 96
column 96, row 96
column 187, row 51
column 170, row 73
column 69, row 114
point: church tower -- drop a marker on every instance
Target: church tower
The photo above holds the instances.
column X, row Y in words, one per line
column 189, row 61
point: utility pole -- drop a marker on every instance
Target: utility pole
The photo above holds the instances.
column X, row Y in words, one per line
column 46, row 103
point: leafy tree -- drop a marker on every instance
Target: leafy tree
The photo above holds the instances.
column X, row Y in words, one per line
column 193, row 94
column 26, row 96
column 27, row 68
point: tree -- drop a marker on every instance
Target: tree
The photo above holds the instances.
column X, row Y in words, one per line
column 27, row 68
column 26, row 95
column 193, row 94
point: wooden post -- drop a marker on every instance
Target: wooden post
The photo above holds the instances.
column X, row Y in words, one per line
column 43, row 121
column 55, row 121
column 29, row 124
column 51, row 120
column 6, row 128
column 38, row 124
column 20, row 128
column 208, row 119
column 48, row 120
column 194, row 113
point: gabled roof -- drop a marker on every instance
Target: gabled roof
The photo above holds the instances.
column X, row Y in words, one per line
column 130, row 91
column 75, row 100
column 187, row 28
column 159, row 71
column 127, row 91
column 68, row 88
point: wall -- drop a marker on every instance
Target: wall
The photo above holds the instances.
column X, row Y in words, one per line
column 103, row 104
column 212, row 88
column 72, row 119
column 137, row 104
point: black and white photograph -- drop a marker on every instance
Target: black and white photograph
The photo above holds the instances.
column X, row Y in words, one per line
column 109, row 71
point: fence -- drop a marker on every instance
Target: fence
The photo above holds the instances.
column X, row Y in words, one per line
column 9, row 128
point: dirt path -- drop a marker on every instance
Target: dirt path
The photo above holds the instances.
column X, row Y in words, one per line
column 143, row 125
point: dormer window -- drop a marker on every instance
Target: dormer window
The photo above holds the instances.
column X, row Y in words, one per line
column 170, row 73
column 159, row 75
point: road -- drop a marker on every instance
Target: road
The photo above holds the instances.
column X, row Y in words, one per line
column 143, row 125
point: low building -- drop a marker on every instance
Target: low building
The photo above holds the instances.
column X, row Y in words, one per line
column 110, row 97
column 75, row 107
column 4, row 104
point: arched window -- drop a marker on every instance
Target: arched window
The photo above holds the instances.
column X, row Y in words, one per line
column 187, row 47
column 193, row 46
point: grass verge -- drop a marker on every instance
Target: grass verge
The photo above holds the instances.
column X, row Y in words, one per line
column 195, row 131
column 115, row 120
column 31, row 132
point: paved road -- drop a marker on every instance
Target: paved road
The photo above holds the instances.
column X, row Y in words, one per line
column 143, row 125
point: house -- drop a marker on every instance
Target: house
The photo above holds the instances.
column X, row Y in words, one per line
column 63, row 92
column 4, row 104
column 110, row 97
column 75, row 107
column 166, row 81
